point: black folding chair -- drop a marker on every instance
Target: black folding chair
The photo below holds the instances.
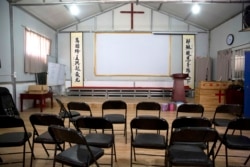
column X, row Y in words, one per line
column 148, row 109
column 236, row 137
column 78, row 155
column 182, row 151
column 64, row 113
column 79, row 107
column 190, row 109
column 104, row 138
column 148, row 133
column 115, row 111
column 181, row 122
column 13, row 134
column 7, row 104
column 40, row 123
column 224, row 113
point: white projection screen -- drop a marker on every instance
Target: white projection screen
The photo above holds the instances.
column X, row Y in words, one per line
column 132, row 54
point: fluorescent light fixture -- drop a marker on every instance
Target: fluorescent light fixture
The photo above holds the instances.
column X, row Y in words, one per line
column 196, row 9
column 74, row 10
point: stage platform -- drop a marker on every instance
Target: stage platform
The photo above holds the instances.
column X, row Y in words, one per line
column 146, row 92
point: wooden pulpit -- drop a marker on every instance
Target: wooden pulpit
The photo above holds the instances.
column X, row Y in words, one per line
column 211, row 94
column 178, row 88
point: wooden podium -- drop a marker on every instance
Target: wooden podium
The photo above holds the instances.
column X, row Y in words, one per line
column 211, row 94
column 179, row 89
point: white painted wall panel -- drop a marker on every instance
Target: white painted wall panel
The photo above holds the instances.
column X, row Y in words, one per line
column 104, row 22
column 160, row 22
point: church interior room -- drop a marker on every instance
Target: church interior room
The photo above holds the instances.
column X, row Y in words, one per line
column 172, row 52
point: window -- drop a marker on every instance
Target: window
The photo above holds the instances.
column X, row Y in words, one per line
column 37, row 48
column 238, row 65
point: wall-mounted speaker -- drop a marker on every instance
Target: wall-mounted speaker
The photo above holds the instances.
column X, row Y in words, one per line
column 246, row 17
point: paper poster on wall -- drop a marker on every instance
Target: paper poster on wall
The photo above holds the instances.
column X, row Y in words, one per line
column 76, row 59
column 188, row 58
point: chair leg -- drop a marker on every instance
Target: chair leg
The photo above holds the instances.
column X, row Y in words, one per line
column 134, row 154
column 29, row 144
column 166, row 159
column 218, row 149
column 32, row 154
column 45, row 149
column 226, row 156
column 131, row 155
column 247, row 160
column 54, row 162
column 125, row 132
column 24, row 152
column 114, row 152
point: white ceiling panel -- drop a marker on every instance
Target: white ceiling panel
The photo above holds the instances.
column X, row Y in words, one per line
column 55, row 13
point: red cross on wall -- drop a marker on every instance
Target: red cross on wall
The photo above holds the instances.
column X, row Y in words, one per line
column 220, row 94
column 132, row 12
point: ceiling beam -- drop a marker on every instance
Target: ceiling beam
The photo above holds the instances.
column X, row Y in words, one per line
column 86, row 2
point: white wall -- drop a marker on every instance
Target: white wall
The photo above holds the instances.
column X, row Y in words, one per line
column 218, row 38
column 207, row 44
column 20, row 20
column 114, row 21
column 5, row 57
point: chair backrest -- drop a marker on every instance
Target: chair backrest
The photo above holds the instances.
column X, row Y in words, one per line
column 14, row 122
column 189, row 108
column 148, row 106
column 232, row 109
column 194, row 134
column 93, row 123
column 13, row 134
column 239, row 124
column 7, row 104
column 63, row 134
column 80, row 106
column 63, row 111
column 114, row 105
column 45, row 119
column 149, row 123
column 11, row 122
column 190, row 122
column 60, row 133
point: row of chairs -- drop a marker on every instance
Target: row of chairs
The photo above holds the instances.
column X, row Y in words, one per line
column 99, row 134
column 141, row 137
column 233, row 110
column 118, row 111
column 13, row 130
column 113, row 110
column 217, row 120
column 192, row 140
column 71, row 109
column 188, row 139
